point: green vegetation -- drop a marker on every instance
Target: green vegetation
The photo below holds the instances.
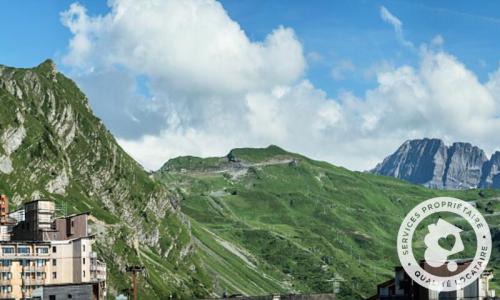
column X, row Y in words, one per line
column 297, row 221
column 67, row 155
column 258, row 221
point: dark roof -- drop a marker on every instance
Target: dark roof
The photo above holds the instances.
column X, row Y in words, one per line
column 70, row 284
column 387, row 283
column 73, row 215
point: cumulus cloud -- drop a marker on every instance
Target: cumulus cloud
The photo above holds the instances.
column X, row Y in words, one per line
column 190, row 45
column 210, row 88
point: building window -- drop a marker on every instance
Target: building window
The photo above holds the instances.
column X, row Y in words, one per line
column 5, row 263
column 24, row 262
column 54, row 262
column 52, row 297
column 54, row 249
column 5, row 275
column 83, row 260
column 7, row 250
column 23, row 250
column 70, row 296
column 83, row 247
column 41, row 262
column 6, row 289
column 83, row 273
column 72, row 223
column 54, row 275
column 43, row 250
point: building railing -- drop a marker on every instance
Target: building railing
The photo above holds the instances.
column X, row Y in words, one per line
column 33, row 281
column 5, row 268
column 6, row 295
column 40, row 268
column 24, row 255
column 5, row 281
column 29, row 269
column 97, row 270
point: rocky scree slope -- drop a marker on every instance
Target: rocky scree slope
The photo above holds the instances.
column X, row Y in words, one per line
column 52, row 146
column 431, row 163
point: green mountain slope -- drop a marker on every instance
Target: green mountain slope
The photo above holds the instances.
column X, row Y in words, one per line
column 294, row 221
column 51, row 146
column 257, row 221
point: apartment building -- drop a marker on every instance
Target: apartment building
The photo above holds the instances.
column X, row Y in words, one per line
column 47, row 257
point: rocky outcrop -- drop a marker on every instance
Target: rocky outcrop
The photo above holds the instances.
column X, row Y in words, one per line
column 491, row 172
column 431, row 163
column 464, row 166
column 418, row 161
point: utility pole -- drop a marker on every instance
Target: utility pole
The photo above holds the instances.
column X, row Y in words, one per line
column 134, row 270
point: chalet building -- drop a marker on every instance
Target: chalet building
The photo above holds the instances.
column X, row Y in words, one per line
column 47, row 257
column 402, row 287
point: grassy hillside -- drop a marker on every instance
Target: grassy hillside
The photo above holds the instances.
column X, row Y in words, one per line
column 52, row 146
column 257, row 221
column 271, row 221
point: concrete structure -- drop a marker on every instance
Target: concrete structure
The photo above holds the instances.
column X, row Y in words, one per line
column 402, row 287
column 44, row 253
column 68, row 291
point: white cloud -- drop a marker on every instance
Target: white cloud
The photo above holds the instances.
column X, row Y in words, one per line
column 314, row 57
column 437, row 41
column 341, row 69
column 211, row 89
column 396, row 23
column 190, row 45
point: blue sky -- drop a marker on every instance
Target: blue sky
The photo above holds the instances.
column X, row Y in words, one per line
column 345, row 49
column 351, row 30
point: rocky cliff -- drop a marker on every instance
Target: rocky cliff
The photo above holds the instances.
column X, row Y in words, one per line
column 52, row 146
column 431, row 163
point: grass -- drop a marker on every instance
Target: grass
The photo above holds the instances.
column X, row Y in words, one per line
column 303, row 223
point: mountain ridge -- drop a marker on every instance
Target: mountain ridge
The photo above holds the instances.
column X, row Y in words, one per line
column 53, row 147
column 431, row 163
column 297, row 220
column 256, row 221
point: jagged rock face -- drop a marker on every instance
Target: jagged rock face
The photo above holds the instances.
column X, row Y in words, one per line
column 431, row 163
column 491, row 172
column 52, row 146
column 464, row 166
column 417, row 161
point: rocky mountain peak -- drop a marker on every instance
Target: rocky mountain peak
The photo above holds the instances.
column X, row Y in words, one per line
column 417, row 161
column 431, row 163
column 49, row 68
column 53, row 147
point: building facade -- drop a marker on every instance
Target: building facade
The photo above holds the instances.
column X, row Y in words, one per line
column 40, row 254
column 402, row 286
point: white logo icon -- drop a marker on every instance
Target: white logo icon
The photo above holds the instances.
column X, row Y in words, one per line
column 442, row 241
column 435, row 255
